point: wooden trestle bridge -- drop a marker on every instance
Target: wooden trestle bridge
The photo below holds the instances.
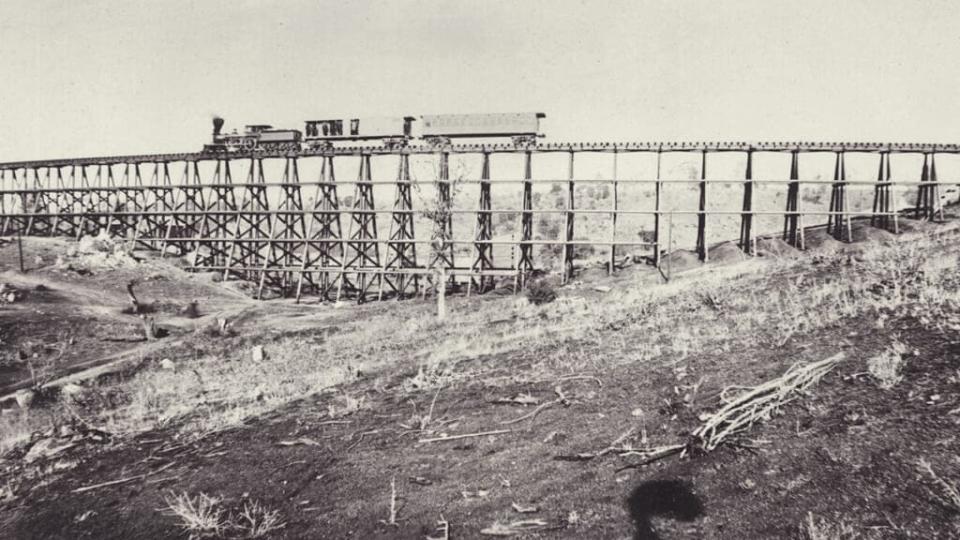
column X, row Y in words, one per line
column 163, row 202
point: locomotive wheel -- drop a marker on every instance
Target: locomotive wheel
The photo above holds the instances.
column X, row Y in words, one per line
column 249, row 143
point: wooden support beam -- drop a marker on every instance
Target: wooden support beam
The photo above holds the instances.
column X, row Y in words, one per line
column 402, row 250
column 702, row 240
column 614, row 208
column 658, row 210
column 525, row 264
column 746, row 219
column 568, row 248
column 484, row 231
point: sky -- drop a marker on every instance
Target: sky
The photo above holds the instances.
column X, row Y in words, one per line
column 109, row 77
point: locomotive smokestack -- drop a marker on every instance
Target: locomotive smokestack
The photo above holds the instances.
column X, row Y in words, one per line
column 217, row 125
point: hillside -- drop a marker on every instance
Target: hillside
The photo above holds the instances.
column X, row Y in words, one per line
column 574, row 418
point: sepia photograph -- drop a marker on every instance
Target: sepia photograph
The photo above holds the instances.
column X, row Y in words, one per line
column 478, row 269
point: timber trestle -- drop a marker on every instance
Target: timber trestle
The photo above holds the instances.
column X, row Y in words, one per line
column 286, row 221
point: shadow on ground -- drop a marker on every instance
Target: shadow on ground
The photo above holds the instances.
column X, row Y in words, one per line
column 671, row 499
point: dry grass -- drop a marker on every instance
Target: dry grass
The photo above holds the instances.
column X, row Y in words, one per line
column 201, row 516
column 664, row 325
column 256, row 521
column 821, row 529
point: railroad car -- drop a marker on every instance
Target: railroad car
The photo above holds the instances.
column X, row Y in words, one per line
column 254, row 137
column 523, row 128
column 391, row 131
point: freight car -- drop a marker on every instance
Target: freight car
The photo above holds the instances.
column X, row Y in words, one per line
column 522, row 128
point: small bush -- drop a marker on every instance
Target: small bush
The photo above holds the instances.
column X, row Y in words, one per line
column 541, row 292
column 201, row 516
column 886, row 366
column 257, row 521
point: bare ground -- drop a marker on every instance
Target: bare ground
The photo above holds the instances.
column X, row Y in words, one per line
column 345, row 401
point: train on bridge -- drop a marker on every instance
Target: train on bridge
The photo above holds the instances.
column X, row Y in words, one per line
column 438, row 129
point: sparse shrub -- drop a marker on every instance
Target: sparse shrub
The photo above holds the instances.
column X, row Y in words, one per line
column 257, row 521
column 886, row 366
column 813, row 529
column 430, row 375
column 201, row 516
column 541, row 292
column 347, row 405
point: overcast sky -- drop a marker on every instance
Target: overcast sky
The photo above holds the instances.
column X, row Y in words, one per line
column 103, row 77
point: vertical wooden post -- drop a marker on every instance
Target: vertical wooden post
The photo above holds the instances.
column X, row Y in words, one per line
column 838, row 219
column 937, row 207
column 657, row 210
column 613, row 211
column 746, row 218
column 880, row 216
column 442, row 293
column 20, row 249
column 525, row 264
column 702, row 240
column 568, row 235
column 484, row 232
column 920, row 209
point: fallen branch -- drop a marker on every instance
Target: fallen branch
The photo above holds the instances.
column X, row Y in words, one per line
column 393, row 503
column 760, row 402
column 125, row 480
column 584, row 456
column 561, row 399
column 650, row 455
column 514, row 528
column 110, row 483
column 306, row 441
column 465, row 436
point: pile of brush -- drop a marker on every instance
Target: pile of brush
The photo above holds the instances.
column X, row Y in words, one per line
column 761, row 402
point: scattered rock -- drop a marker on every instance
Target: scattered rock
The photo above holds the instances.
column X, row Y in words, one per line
column 191, row 310
column 167, row 363
column 258, row 354
column 25, row 398
column 521, row 509
column 602, row 288
column 72, row 391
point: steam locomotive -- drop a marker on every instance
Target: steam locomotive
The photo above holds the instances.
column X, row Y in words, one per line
column 254, row 137
column 438, row 129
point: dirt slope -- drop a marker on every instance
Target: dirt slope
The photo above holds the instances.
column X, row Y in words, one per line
column 651, row 364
